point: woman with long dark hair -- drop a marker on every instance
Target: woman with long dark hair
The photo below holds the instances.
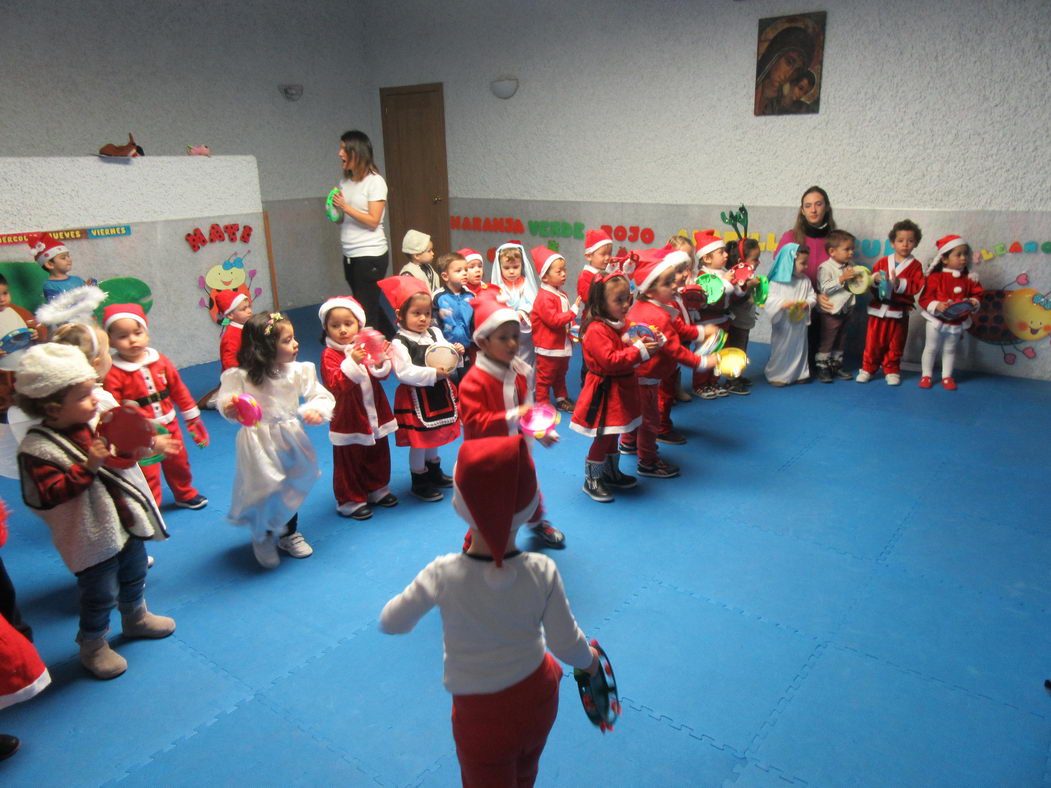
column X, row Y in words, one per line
column 366, row 253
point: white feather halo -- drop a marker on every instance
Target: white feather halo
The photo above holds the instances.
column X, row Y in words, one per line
column 73, row 306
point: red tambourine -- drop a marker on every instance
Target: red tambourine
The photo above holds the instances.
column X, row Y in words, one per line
column 740, row 274
column 374, row 344
column 598, row 693
column 125, row 430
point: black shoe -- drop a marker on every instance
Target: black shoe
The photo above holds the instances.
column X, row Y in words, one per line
column 737, row 387
column 628, row 447
column 363, row 513
column 671, row 437
column 824, row 373
column 437, row 478
column 841, row 374
column 565, row 405
column 197, row 502
column 594, row 483
column 8, row 746
column 423, row 488
column 549, row 535
column 659, row 470
column 386, row 501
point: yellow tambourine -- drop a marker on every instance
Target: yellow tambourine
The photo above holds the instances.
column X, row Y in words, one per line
column 732, row 362
column 797, row 311
column 861, row 282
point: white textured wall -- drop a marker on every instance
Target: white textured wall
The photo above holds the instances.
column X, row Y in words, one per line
column 77, row 74
column 937, row 104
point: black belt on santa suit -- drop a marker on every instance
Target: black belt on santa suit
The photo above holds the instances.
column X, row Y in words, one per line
column 157, row 396
column 600, row 400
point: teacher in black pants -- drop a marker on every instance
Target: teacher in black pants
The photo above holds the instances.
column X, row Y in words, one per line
column 366, row 253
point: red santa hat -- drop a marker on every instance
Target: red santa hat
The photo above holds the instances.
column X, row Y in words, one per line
column 654, row 262
column 595, row 240
column 469, row 254
column 44, row 247
column 485, row 465
column 344, row 302
column 400, row 289
column 543, row 258
column 706, row 241
column 115, row 312
column 226, row 301
column 947, row 244
column 490, row 312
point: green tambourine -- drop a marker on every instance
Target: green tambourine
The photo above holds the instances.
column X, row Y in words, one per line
column 762, row 291
column 333, row 214
column 713, row 287
column 155, row 458
column 714, row 343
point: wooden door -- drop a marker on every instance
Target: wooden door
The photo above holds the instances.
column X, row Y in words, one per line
column 415, row 165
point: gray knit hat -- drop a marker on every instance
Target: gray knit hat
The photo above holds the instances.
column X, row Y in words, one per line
column 50, row 367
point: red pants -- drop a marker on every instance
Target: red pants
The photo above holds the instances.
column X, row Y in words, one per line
column 602, row 447
column 665, row 399
column 646, row 435
column 499, row 736
column 176, row 471
column 884, row 343
column 551, row 374
column 359, row 470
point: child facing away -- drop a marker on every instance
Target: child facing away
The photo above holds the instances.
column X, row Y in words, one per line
column 609, row 405
column 98, row 507
column 655, row 286
column 742, row 306
column 362, row 418
column 518, row 278
column 475, row 271
column 501, row 610
column 551, row 316
column 150, row 380
column 888, row 325
column 425, row 404
column 833, row 275
column 54, row 257
column 419, row 249
column 949, row 282
column 276, row 463
column 789, row 305
column 495, row 395
column 452, row 303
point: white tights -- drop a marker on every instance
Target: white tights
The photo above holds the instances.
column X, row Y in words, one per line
column 930, row 351
column 418, row 459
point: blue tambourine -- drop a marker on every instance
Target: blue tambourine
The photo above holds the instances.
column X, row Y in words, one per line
column 958, row 310
column 883, row 288
column 641, row 331
column 16, row 340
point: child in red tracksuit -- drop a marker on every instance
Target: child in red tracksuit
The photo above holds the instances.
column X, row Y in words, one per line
column 655, row 284
column 494, row 394
column 501, row 610
column 888, row 325
column 150, row 380
column 551, row 317
column 362, row 419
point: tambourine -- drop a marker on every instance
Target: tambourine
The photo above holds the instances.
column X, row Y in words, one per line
column 957, row 310
column 740, row 274
column 796, row 311
column 16, row 340
column 762, row 291
column 333, row 214
column 574, row 332
column 883, row 288
column 540, row 420
column 125, row 430
column 732, row 362
column 442, row 357
column 713, row 286
column 693, row 297
column 598, row 693
column 643, row 331
column 714, row 343
column 248, row 411
column 861, row 282
column 374, row 344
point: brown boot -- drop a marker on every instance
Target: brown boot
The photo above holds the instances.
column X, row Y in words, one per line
column 102, row 661
column 141, row 623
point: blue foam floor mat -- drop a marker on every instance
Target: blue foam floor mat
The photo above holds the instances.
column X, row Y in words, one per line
column 848, row 585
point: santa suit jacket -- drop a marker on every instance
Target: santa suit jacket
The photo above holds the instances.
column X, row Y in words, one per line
column 154, row 385
column 490, row 395
column 229, row 344
column 948, row 285
column 907, row 281
column 551, row 315
column 363, row 414
column 663, row 361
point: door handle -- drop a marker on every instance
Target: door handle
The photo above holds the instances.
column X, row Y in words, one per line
column 435, row 200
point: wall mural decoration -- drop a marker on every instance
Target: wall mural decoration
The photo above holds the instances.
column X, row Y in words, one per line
column 789, row 62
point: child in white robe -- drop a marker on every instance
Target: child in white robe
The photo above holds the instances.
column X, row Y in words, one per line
column 788, row 306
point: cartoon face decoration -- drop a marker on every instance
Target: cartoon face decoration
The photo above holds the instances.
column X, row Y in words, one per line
column 228, row 275
column 1027, row 314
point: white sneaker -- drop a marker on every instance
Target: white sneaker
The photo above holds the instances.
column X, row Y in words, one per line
column 266, row 553
column 893, row 379
column 295, row 545
column 863, row 376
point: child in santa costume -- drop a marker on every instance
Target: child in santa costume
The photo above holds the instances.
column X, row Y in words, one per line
column 495, row 395
column 949, row 282
column 551, row 316
column 425, row 401
column 888, row 325
column 235, row 308
column 97, row 506
column 362, row 419
column 276, row 463
column 22, row 674
column 598, row 249
column 609, row 405
column 501, row 610
column 789, row 306
column 54, row 257
column 149, row 379
column 712, row 256
column 667, row 392
column 655, row 286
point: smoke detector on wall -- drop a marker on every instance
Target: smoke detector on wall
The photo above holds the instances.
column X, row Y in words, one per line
column 291, row 92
